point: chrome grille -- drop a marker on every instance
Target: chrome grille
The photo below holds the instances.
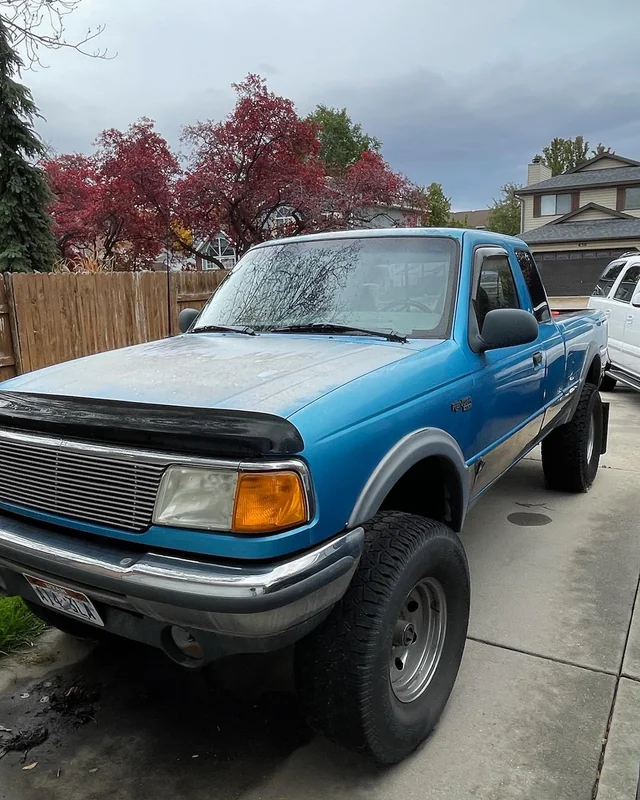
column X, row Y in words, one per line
column 94, row 483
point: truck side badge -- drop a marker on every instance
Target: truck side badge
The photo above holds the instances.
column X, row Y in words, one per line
column 461, row 405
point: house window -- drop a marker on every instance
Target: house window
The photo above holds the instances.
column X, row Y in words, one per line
column 552, row 204
column 632, row 197
column 222, row 250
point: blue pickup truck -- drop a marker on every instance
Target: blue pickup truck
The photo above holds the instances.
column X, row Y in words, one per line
column 294, row 467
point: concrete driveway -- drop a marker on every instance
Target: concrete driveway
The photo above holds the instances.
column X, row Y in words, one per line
column 547, row 704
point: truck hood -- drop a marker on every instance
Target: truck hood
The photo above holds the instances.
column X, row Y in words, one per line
column 273, row 374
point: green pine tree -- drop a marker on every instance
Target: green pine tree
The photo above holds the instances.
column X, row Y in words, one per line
column 26, row 241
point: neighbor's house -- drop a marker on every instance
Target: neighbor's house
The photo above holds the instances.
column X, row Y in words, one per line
column 478, row 219
column 577, row 222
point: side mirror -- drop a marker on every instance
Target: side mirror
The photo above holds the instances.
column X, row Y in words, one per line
column 186, row 318
column 507, row 327
column 635, row 301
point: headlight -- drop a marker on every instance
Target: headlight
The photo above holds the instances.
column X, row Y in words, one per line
column 196, row 498
column 246, row 502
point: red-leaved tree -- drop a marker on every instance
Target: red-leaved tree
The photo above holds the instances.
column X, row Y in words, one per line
column 242, row 171
column 77, row 203
column 253, row 176
column 137, row 172
column 118, row 203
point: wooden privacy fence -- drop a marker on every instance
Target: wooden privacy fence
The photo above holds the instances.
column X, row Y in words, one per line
column 46, row 319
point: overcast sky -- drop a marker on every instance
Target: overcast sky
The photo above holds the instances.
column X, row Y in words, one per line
column 463, row 93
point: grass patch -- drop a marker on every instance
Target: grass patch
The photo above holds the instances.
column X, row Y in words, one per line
column 18, row 626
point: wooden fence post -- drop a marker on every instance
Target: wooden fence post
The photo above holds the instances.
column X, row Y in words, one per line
column 10, row 360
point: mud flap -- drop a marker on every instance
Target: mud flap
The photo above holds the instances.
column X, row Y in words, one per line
column 605, row 427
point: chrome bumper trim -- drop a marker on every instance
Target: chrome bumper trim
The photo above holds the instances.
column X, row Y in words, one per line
column 150, row 582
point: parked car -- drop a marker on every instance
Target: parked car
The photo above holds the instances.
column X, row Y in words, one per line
column 617, row 294
column 295, row 467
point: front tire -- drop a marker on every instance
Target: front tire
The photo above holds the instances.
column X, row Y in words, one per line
column 571, row 453
column 377, row 674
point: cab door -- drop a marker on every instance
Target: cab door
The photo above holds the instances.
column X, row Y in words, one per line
column 604, row 299
column 508, row 380
column 623, row 295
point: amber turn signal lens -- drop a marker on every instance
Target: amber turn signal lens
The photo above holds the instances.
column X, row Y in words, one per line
column 268, row 501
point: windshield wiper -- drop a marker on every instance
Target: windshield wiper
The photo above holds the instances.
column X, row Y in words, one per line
column 224, row 329
column 333, row 327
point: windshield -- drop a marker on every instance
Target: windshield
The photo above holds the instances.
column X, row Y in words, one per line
column 405, row 284
column 603, row 287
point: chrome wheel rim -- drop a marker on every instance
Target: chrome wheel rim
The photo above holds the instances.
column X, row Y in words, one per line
column 418, row 639
column 591, row 438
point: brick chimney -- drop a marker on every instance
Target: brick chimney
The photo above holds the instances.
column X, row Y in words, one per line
column 536, row 171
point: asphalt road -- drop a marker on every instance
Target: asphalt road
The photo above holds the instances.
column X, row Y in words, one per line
column 547, row 704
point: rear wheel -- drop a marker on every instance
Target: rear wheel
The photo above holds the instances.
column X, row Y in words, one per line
column 377, row 674
column 608, row 384
column 571, row 453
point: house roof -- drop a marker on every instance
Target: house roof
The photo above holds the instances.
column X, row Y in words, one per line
column 609, row 212
column 586, row 231
column 609, row 157
column 614, row 176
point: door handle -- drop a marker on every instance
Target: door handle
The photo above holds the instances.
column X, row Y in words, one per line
column 629, row 317
column 537, row 358
column 607, row 313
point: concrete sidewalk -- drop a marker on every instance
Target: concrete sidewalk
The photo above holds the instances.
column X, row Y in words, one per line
column 547, row 704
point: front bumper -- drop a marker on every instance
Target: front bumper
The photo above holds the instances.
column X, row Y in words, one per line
column 248, row 607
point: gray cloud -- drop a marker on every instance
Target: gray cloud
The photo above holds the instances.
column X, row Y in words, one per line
column 462, row 94
column 477, row 133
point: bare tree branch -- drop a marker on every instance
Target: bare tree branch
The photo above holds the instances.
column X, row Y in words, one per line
column 40, row 24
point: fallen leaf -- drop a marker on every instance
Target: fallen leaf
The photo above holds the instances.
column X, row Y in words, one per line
column 95, row 769
column 30, row 766
column 4, row 730
column 24, row 695
column 195, row 756
column 44, row 699
column 58, row 772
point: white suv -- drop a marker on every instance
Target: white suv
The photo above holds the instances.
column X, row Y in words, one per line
column 617, row 293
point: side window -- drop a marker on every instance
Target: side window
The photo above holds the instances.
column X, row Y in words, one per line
column 609, row 277
column 534, row 285
column 495, row 286
column 627, row 287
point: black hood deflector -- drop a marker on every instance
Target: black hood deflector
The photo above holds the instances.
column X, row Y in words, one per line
column 177, row 429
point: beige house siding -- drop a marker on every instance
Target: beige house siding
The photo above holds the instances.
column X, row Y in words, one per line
column 531, row 222
column 591, row 213
column 603, row 196
column 604, row 163
column 632, row 212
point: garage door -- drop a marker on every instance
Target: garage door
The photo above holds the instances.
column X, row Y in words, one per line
column 574, row 273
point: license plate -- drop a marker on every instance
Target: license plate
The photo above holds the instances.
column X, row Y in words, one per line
column 67, row 601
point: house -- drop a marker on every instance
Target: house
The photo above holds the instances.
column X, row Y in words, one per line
column 472, row 219
column 577, row 222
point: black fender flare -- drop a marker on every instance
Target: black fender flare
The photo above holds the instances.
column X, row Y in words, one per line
column 407, row 452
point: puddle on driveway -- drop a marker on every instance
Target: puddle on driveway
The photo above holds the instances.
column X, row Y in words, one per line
column 529, row 519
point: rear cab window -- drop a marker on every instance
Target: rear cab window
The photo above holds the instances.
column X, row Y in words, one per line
column 608, row 278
